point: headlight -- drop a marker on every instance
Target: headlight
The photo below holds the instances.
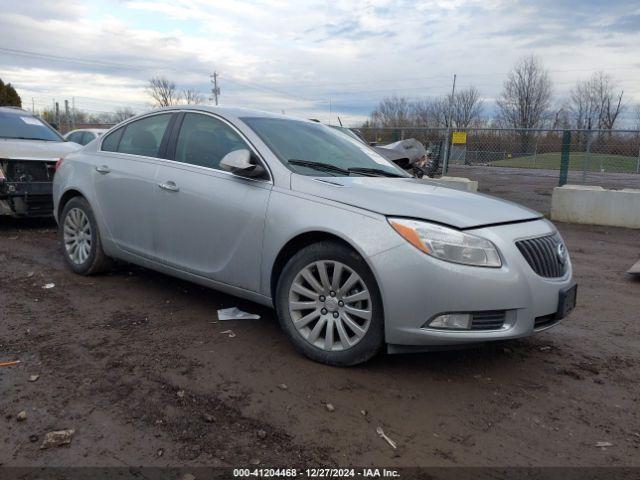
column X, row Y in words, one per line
column 448, row 244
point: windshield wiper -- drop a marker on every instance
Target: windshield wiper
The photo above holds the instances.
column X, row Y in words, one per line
column 323, row 167
column 374, row 171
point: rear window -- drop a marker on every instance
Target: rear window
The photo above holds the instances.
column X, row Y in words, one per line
column 75, row 137
column 26, row 127
column 110, row 142
column 143, row 137
column 87, row 137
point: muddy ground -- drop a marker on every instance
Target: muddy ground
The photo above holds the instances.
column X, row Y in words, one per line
column 136, row 363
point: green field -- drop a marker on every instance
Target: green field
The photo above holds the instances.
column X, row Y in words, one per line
column 551, row 161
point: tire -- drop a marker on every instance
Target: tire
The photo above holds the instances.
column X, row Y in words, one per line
column 331, row 327
column 78, row 222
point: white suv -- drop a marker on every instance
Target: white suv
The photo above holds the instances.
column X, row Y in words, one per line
column 29, row 150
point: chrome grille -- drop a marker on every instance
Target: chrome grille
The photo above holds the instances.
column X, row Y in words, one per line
column 546, row 255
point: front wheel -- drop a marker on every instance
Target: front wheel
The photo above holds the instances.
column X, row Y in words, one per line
column 80, row 238
column 329, row 305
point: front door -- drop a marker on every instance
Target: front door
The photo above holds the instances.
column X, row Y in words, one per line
column 210, row 222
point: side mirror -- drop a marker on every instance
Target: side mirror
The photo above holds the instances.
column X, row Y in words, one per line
column 239, row 162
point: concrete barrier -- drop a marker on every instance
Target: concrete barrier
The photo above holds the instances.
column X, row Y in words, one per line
column 596, row 206
column 459, row 183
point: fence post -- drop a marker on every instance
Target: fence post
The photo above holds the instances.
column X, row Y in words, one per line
column 564, row 161
column 535, row 151
column 587, row 153
column 638, row 161
column 445, row 160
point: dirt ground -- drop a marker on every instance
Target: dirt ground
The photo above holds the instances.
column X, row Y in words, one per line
column 136, row 363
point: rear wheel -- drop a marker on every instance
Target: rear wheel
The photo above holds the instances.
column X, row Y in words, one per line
column 329, row 305
column 80, row 238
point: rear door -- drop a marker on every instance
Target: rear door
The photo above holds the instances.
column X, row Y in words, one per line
column 125, row 185
column 210, row 222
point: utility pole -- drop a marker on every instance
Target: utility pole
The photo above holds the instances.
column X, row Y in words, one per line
column 445, row 164
column 67, row 114
column 57, row 116
column 215, row 91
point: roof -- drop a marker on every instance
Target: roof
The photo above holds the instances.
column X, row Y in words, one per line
column 15, row 110
column 93, row 130
column 227, row 112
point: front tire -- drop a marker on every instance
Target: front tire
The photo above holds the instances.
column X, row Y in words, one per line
column 80, row 238
column 329, row 305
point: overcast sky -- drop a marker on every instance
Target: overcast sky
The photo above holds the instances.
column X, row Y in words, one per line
column 305, row 57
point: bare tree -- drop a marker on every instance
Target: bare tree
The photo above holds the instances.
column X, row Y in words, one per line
column 526, row 96
column 609, row 102
column 584, row 106
column 163, row 92
column 440, row 111
column 466, row 108
column 192, row 97
column 421, row 113
column 121, row 114
column 463, row 110
column 392, row 112
column 595, row 103
column 561, row 119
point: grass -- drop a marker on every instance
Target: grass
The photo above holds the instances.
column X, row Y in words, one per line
column 551, row 161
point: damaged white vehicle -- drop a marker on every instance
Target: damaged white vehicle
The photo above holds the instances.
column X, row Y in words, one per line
column 29, row 150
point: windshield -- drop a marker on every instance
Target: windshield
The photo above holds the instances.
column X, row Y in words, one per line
column 348, row 131
column 302, row 146
column 27, row 127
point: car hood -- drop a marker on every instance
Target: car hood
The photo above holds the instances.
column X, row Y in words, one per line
column 409, row 197
column 35, row 149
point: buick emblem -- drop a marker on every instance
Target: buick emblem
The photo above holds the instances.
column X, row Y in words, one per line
column 561, row 253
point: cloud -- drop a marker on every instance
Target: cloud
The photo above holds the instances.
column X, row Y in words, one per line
column 626, row 24
column 300, row 56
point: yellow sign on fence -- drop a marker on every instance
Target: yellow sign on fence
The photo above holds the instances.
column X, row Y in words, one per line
column 459, row 138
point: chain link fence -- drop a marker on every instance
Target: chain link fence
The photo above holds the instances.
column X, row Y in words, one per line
column 608, row 158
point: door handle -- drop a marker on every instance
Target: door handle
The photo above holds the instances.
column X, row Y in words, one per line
column 169, row 186
column 103, row 169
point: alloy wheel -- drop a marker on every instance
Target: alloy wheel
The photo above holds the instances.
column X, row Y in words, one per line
column 77, row 236
column 330, row 305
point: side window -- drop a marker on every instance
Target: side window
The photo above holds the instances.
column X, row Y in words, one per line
column 75, row 137
column 143, row 137
column 110, row 142
column 204, row 141
column 87, row 137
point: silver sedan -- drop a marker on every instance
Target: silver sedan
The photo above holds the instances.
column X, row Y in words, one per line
column 353, row 253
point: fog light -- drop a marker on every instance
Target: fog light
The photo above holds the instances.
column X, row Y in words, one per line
column 452, row 321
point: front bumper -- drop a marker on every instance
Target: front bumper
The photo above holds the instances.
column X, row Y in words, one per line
column 416, row 287
column 32, row 199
